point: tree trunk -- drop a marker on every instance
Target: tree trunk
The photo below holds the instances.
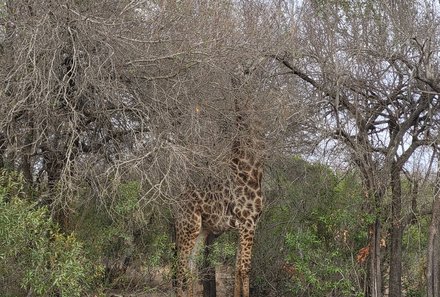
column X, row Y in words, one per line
column 395, row 281
column 375, row 261
column 209, row 286
column 54, row 167
column 433, row 269
column 26, row 165
column 2, row 150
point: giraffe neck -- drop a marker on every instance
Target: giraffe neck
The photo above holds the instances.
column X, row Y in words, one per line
column 247, row 169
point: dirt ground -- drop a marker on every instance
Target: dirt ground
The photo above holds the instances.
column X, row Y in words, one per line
column 224, row 278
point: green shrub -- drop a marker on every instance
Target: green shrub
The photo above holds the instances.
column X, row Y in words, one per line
column 34, row 255
column 309, row 233
column 223, row 250
column 130, row 238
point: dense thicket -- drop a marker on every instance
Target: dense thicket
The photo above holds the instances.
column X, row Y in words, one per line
column 109, row 109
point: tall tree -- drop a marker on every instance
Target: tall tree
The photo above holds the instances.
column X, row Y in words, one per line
column 370, row 69
column 101, row 91
column 433, row 262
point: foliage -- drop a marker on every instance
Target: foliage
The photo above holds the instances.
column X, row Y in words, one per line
column 223, row 250
column 160, row 251
column 309, row 233
column 125, row 236
column 415, row 242
column 35, row 256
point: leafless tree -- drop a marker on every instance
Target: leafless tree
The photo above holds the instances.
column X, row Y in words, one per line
column 98, row 92
column 372, row 69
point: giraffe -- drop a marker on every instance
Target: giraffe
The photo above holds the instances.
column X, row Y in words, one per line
column 231, row 204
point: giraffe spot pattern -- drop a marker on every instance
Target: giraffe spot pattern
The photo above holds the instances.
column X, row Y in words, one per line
column 235, row 203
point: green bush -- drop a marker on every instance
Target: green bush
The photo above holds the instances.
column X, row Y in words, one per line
column 34, row 255
column 131, row 239
column 309, row 233
column 223, row 250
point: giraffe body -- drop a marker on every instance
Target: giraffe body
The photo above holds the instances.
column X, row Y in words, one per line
column 219, row 206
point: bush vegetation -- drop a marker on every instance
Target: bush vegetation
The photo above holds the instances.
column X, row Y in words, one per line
column 307, row 243
column 36, row 258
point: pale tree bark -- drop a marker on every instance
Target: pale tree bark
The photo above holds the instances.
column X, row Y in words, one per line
column 433, row 269
column 375, row 279
column 395, row 282
column 2, row 150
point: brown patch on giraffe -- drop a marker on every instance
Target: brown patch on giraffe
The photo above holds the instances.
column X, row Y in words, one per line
column 206, row 208
column 244, row 177
column 244, row 166
column 254, row 173
column 258, row 205
column 214, row 217
column 226, row 191
column 249, row 193
column 245, row 213
column 258, row 201
column 253, row 183
column 239, row 191
column 252, row 195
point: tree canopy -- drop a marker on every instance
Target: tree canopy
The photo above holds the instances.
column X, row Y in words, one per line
column 104, row 100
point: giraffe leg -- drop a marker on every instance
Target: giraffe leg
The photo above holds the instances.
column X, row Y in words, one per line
column 186, row 235
column 182, row 267
column 196, row 252
column 244, row 262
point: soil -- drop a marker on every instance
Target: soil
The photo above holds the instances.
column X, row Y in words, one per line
column 160, row 286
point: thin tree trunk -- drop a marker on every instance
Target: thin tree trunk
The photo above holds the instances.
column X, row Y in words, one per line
column 8, row 55
column 375, row 261
column 395, row 281
column 26, row 164
column 432, row 273
column 2, row 150
column 209, row 285
column 433, row 269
